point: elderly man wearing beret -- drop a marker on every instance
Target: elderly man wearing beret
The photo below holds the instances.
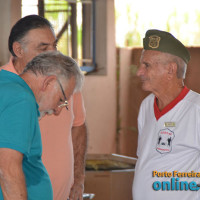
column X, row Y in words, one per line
column 168, row 151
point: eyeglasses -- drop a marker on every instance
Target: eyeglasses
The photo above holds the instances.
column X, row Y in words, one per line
column 65, row 104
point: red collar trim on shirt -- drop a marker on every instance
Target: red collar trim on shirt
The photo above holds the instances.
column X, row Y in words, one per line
column 159, row 113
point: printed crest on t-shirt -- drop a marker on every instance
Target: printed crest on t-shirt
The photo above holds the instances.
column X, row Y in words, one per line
column 164, row 142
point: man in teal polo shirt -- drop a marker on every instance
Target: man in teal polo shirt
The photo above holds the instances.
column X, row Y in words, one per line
column 44, row 87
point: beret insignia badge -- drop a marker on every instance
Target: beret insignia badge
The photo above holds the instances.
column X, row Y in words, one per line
column 154, row 41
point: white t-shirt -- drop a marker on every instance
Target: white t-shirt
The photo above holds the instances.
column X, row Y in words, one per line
column 169, row 140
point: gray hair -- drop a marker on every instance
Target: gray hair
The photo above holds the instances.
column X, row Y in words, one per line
column 181, row 65
column 55, row 63
column 182, row 68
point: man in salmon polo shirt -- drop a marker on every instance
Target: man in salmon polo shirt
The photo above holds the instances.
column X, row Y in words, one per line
column 64, row 137
column 168, row 123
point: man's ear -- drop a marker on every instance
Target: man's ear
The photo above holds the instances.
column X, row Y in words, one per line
column 17, row 49
column 172, row 70
column 48, row 82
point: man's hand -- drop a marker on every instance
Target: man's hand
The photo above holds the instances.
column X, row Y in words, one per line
column 79, row 139
column 77, row 189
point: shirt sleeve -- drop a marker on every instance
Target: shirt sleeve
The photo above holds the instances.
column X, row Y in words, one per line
column 78, row 109
column 15, row 125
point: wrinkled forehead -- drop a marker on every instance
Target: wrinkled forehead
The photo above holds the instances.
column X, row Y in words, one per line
column 151, row 56
column 45, row 34
column 151, row 53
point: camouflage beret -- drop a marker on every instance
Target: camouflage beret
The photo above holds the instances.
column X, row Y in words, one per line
column 165, row 42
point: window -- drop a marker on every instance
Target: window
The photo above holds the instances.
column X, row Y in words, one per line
column 74, row 25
